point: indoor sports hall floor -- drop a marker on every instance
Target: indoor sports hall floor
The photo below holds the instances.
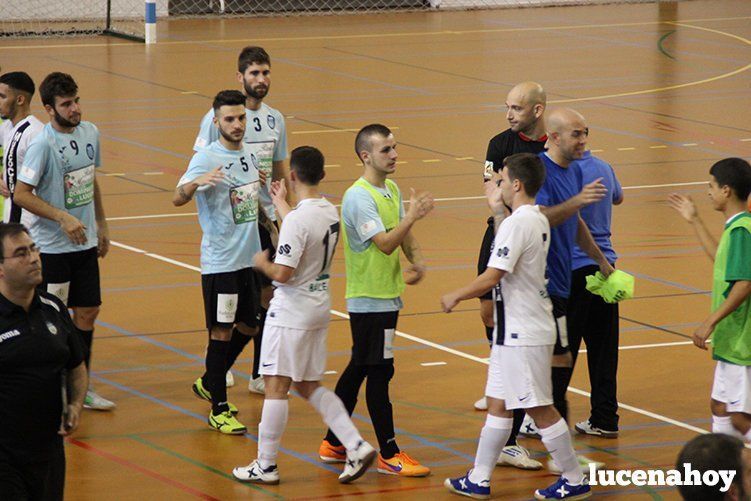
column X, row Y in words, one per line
column 665, row 89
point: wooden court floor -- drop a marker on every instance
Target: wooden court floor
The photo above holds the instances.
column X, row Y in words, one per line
column 665, row 90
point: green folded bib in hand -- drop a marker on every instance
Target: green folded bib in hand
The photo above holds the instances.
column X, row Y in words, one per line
column 617, row 287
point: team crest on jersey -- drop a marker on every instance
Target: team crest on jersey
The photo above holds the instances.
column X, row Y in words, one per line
column 51, row 327
column 254, row 160
column 90, row 151
column 271, row 121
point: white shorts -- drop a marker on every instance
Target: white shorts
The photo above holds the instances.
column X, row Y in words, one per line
column 296, row 353
column 732, row 386
column 521, row 376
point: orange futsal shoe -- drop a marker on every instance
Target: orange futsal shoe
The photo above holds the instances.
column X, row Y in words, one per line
column 332, row 454
column 402, row 465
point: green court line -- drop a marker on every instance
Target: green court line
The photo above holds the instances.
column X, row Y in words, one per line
column 661, row 47
column 203, row 466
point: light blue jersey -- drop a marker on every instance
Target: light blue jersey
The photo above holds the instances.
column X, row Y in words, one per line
column 265, row 142
column 362, row 222
column 228, row 212
column 61, row 168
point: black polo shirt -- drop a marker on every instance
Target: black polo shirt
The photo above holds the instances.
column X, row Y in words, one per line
column 35, row 347
column 508, row 143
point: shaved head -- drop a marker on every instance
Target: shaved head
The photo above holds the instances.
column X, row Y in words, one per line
column 529, row 93
column 525, row 106
column 567, row 135
column 561, row 119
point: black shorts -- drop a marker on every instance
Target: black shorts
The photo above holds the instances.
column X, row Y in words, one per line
column 560, row 306
column 266, row 244
column 229, row 298
column 373, row 337
column 486, row 248
column 73, row 277
column 35, row 481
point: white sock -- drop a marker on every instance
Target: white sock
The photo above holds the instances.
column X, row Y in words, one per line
column 332, row 410
column 493, row 437
column 724, row 424
column 270, row 429
column 557, row 440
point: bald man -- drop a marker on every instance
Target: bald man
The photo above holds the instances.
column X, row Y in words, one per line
column 561, row 197
column 525, row 108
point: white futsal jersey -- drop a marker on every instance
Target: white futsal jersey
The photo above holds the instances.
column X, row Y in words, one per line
column 307, row 241
column 520, row 248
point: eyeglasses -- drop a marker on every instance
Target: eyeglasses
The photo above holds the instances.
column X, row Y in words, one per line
column 24, row 252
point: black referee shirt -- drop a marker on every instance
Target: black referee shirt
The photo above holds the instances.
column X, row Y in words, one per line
column 35, row 347
column 508, row 143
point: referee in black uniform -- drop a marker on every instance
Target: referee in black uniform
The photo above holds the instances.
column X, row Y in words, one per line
column 525, row 108
column 38, row 344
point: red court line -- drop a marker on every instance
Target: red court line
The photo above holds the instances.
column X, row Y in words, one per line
column 368, row 493
column 133, row 466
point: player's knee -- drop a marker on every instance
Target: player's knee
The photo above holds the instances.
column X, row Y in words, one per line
column 246, row 329
column 218, row 333
column 741, row 421
column 84, row 317
column 717, row 408
column 380, row 373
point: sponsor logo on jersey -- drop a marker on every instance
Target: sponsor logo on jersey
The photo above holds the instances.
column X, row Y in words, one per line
column 284, row 249
column 503, row 252
column 9, row 334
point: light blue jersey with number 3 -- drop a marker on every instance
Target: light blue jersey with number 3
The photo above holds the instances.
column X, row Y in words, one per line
column 227, row 212
column 61, row 167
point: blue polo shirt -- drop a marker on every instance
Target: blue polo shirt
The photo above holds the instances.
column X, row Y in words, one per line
column 561, row 183
column 598, row 216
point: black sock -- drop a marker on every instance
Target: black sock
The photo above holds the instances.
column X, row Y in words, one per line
column 561, row 378
column 236, row 345
column 518, row 420
column 347, row 389
column 216, row 370
column 489, row 335
column 257, row 340
column 379, row 408
column 88, row 339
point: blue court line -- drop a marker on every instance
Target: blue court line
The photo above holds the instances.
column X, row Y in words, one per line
column 667, row 282
column 302, row 457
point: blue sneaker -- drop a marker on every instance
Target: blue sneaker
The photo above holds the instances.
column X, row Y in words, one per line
column 464, row 487
column 561, row 489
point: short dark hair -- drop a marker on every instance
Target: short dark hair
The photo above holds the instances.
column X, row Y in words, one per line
column 9, row 230
column 307, row 163
column 19, row 81
column 528, row 169
column 57, row 84
column 711, row 451
column 362, row 141
column 228, row 98
column 735, row 173
column 250, row 55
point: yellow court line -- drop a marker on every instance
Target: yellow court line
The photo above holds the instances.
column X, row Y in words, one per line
column 372, row 35
column 431, row 160
column 746, row 140
column 659, row 146
column 630, row 148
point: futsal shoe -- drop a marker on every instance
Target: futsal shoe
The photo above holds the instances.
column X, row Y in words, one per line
column 358, row 462
column 586, row 428
column 482, row 404
column 402, row 465
column 200, row 391
column 465, row 487
column 529, row 428
column 584, row 463
column 561, row 489
column 257, row 385
column 255, row 474
column 226, row 423
column 518, row 457
column 95, row 402
column 230, row 379
column 332, row 453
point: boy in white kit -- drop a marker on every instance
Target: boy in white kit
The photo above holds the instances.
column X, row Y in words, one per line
column 294, row 346
column 523, row 339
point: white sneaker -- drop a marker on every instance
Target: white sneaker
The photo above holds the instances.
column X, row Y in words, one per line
column 586, row 428
column 518, row 457
column 254, row 473
column 257, row 386
column 529, row 428
column 482, row 404
column 95, row 402
column 358, row 462
column 584, row 463
column 230, row 379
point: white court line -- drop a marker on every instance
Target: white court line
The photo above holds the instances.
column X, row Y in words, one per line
column 637, row 410
column 432, row 364
column 654, row 345
column 448, row 199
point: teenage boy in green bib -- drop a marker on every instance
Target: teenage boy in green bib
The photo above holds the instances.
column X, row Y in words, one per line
column 375, row 226
column 729, row 324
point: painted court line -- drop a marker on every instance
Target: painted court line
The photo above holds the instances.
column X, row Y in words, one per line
column 437, row 346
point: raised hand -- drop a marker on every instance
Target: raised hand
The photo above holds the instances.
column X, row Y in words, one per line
column 684, row 205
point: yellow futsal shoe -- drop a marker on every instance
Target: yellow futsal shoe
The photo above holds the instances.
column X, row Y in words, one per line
column 226, row 423
column 200, row 391
column 402, row 465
